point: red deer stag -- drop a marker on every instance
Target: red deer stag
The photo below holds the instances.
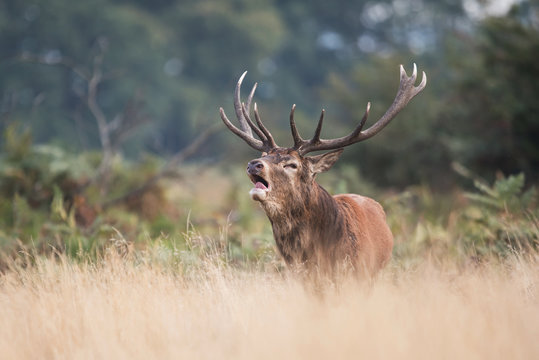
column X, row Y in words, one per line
column 312, row 228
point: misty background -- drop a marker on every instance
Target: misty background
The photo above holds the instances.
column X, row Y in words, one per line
column 167, row 66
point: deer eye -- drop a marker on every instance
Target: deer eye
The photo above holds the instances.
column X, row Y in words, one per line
column 291, row 166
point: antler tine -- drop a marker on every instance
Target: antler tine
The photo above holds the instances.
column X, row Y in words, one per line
column 237, row 105
column 266, row 141
column 258, row 132
column 405, row 93
column 407, row 90
column 358, row 129
column 249, row 139
column 250, row 98
column 266, row 132
column 298, row 141
column 422, row 84
column 316, row 137
column 315, row 143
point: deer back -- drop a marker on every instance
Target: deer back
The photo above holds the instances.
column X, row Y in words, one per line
column 371, row 234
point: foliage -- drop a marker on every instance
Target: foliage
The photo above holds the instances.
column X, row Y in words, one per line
column 30, row 177
column 503, row 217
column 49, row 202
column 494, row 221
column 208, row 212
column 495, row 124
column 178, row 61
column 164, row 54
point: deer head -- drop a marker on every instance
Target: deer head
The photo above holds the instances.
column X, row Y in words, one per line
column 284, row 179
column 285, row 174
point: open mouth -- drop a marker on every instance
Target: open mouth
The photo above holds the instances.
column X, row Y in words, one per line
column 261, row 189
column 260, row 182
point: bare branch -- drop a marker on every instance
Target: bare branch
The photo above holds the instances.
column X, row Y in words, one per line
column 167, row 169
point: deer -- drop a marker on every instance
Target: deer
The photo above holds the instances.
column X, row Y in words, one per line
column 314, row 230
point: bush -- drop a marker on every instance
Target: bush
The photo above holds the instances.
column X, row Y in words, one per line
column 501, row 218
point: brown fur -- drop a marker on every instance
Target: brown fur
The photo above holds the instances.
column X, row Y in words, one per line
column 313, row 229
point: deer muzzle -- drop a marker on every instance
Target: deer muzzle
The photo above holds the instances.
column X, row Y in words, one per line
column 256, row 172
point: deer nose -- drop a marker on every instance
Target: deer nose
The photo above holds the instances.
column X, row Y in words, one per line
column 255, row 166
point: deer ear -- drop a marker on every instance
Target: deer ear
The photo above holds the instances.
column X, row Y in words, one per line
column 324, row 162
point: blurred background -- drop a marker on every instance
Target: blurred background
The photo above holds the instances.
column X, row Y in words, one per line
column 110, row 125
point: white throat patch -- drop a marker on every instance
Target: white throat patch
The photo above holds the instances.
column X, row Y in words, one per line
column 258, row 194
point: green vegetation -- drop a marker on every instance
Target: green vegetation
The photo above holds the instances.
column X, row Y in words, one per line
column 48, row 205
column 107, row 113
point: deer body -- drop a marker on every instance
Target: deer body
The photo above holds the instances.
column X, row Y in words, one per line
column 313, row 229
column 347, row 227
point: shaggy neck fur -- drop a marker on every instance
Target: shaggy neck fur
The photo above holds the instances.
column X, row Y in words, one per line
column 306, row 227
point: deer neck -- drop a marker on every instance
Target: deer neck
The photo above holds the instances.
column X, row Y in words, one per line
column 300, row 224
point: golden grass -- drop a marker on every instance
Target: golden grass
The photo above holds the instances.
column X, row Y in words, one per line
column 127, row 310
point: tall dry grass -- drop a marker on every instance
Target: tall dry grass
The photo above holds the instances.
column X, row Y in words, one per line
column 134, row 309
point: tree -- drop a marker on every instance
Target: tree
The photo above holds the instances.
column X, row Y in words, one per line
column 492, row 117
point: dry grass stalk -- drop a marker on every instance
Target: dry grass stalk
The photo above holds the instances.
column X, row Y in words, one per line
column 124, row 309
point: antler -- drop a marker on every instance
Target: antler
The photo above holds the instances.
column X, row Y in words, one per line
column 266, row 141
column 406, row 92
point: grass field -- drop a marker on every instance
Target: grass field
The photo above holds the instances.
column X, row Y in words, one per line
column 207, row 284
column 132, row 308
